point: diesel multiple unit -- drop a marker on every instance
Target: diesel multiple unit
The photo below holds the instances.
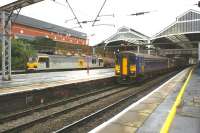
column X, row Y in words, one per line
column 131, row 66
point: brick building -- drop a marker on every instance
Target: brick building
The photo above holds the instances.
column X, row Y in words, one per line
column 29, row 28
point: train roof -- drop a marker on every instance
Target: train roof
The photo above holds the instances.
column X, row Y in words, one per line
column 143, row 55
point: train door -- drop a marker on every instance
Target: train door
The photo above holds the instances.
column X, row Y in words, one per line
column 132, row 66
column 138, row 64
column 143, row 65
column 124, row 65
column 100, row 62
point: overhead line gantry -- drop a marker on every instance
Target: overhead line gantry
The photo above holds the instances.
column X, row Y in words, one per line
column 6, row 13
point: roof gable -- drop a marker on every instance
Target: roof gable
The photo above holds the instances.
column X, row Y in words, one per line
column 127, row 34
column 188, row 22
column 189, row 15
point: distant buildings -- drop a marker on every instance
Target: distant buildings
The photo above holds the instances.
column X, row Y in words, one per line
column 29, row 28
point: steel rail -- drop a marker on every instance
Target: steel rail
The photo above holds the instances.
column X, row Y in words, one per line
column 107, row 108
column 50, row 105
column 56, row 114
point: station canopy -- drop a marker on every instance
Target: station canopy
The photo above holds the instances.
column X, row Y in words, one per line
column 125, row 36
column 183, row 33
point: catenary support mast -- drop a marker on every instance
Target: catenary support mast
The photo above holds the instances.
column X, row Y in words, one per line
column 6, row 12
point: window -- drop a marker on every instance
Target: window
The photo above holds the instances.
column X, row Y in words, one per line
column 94, row 61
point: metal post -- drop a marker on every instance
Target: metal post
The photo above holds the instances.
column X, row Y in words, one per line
column 149, row 51
column 88, row 67
column 138, row 48
column 156, row 52
column 93, row 51
column 199, row 53
column 6, row 47
column 149, row 46
column 3, row 43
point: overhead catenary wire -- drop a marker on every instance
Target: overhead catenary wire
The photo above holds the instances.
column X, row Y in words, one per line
column 93, row 24
column 78, row 22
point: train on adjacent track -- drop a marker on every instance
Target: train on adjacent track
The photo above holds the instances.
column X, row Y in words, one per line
column 56, row 62
column 131, row 67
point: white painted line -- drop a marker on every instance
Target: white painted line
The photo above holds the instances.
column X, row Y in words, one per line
column 100, row 127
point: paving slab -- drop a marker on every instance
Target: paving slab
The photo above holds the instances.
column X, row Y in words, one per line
column 187, row 118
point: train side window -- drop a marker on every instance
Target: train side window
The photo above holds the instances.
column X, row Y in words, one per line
column 32, row 59
column 44, row 60
column 94, row 61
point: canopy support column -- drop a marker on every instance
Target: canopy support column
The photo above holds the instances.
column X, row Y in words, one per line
column 138, row 48
column 199, row 53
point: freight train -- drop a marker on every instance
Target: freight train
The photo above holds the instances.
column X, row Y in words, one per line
column 51, row 62
column 131, row 67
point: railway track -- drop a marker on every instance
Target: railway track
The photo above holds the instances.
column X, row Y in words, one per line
column 72, row 102
column 95, row 114
column 28, row 111
column 99, row 113
column 28, row 118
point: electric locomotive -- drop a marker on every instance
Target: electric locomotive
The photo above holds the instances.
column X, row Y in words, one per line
column 131, row 67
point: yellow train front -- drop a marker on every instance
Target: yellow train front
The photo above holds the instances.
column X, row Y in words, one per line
column 131, row 67
column 32, row 64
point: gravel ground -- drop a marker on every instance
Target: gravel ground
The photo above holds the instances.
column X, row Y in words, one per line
column 59, row 122
column 43, row 113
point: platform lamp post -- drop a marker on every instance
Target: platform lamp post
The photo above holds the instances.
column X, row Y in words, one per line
column 87, row 57
column 138, row 48
column 149, row 46
column 198, row 4
column 199, row 53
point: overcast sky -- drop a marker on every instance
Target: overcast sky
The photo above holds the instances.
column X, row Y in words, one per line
column 164, row 12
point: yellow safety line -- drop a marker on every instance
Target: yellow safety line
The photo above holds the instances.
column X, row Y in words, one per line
column 172, row 113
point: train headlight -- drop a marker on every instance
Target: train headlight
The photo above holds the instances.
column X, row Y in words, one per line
column 132, row 68
column 117, row 68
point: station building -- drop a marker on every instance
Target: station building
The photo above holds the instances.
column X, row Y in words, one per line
column 29, row 28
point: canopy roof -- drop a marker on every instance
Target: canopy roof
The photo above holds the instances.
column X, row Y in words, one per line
column 126, row 35
column 183, row 33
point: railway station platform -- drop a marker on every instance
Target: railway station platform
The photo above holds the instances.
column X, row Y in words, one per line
column 155, row 113
column 39, row 81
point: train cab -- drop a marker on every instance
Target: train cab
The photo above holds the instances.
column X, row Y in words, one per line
column 37, row 62
column 32, row 63
column 127, row 66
